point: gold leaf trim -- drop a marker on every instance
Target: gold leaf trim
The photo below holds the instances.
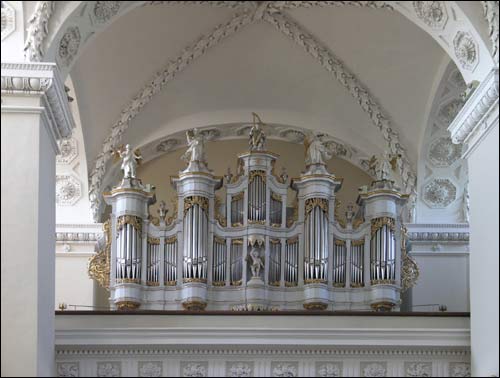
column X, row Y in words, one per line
column 195, row 200
column 99, row 265
column 311, row 203
column 276, row 197
column 171, row 239
column 152, row 240
column 254, row 174
column 378, row 223
column 357, row 243
column 133, row 220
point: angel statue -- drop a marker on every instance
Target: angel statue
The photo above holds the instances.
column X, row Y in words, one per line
column 257, row 137
column 196, row 150
column 162, row 210
column 254, row 255
column 130, row 159
column 383, row 167
column 316, row 152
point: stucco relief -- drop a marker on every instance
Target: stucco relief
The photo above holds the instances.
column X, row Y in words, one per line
column 466, row 50
column 194, row 369
column 109, row 369
column 68, row 369
column 292, row 135
column 69, row 44
column 284, row 369
column 432, row 13
column 443, row 152
column 329, row 369
column 448, row 112
column 459, row 369
column 69, row 151
column 8, row 19
column 439, row 193
column 150, row 369
column 68, row 190
column 418, row 369
column 105, row 10
column 239, row 369
column 373, row 369
column 167, row 145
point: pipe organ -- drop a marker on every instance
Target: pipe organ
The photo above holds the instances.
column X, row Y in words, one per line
column 255, row 255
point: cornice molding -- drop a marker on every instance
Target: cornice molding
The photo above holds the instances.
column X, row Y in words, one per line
column 432, row 237
column 44, row 80
column 473, row 121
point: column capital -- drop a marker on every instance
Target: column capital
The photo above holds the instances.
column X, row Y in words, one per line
column 41, row 80
column 478, row 115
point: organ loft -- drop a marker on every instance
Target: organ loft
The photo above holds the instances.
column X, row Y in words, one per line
column 250, row 251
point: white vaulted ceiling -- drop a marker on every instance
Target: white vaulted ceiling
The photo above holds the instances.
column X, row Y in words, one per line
column 258, row 69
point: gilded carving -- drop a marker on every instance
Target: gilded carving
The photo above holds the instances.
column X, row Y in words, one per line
column 377, row 223
column 99, row 265
column 311, row 203
column 195, row 200
column 133, row 220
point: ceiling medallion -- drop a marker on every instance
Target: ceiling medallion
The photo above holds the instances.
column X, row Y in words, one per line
column 68, row 190
column 69, row 44
column 466, row 50
column 105, row 10
column 432, row 13
column 439, row 193
column 443, row 152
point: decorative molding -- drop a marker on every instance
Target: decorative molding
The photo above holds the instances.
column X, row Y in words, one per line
column 453, row 237
column 439, row 193
column 284, row 369
column 474, row 121
column 194, row 369
column 330, row 369
column 38, row 29
column 8, row 19
column 109, row 369
column 239, row 369
column 432, row 13
column 459, row 369
column 69, row 151
column 348, row 80
column 68, row 190
column 491, row 13
column 41, row 79
column 68, row 369
column 68, row 45
column 448, row 111
column 466, row 50
column 373, row 369
column 150, row 369
column 418, row 369
column 173, row 68
column 81, row 237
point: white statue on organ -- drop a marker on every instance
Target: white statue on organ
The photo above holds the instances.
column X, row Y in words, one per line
column 129, row 161
column 195, row 154
column 256, row 263
column 316, row 152
column 383, row 167
column 257, row 137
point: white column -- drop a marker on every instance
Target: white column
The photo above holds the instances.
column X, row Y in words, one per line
column 476, row 126
column 35, row 114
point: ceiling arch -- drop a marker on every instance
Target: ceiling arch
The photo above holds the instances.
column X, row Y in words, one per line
column 72, row 41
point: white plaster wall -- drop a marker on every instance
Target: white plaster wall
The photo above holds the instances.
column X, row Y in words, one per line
column 444, row 279
column 484, row 190
column 73, row 285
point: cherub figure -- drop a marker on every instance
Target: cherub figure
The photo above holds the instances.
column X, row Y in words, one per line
column 257, row 262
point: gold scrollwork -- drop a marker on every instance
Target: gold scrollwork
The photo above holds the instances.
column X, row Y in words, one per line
column 382, row 306
column 219, row 283
column 218, row 216
column 256, row 221
column 339, row 242
column 274, row 241
column 273, row 172
column 171, row 239
column 253, row 174
column 194, row 305
column 128, row 281
column 152, row 283
column 170, row 283
column 127, row 305
column 291, row 284
column 293, row 240
column 357, row 222
column 152, row 240
column 274, row 283
column 314, row 281
column 133, row 220
column 382, row 282
column 237, row 241
column 99, row 265
column 339, row 284
column 236, row 283
column 377, row 223
column 195, row 200
column 237, row 224
column 357, row 285
column 340, row 220
column 237, row 197
column 357, row 243
column 316, row 306
column 154, row 220
column 219, row 240
column 240, row 171
column 173, row 217
column 311, row 203
column 194, row 280
column 409, row 268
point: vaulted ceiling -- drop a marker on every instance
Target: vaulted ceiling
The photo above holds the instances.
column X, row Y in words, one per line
column 259, row 69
